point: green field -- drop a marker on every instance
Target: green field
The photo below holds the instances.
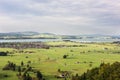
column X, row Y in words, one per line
column 48, row 61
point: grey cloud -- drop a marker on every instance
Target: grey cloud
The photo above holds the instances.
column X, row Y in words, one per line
column 61, row 16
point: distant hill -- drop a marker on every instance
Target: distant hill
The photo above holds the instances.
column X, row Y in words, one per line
column 36, row 35
column 27, row 34
column 19, row 33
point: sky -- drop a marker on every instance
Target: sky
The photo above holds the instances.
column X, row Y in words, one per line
column 61, row 16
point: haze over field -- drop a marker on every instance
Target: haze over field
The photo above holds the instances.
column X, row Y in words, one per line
column 61, row 16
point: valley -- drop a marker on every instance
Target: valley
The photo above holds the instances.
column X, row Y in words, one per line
column 51, row 62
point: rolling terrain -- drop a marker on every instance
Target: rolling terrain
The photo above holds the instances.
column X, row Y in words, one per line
column 52, row 62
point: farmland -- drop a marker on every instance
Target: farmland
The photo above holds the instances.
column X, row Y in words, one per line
column 80, row 57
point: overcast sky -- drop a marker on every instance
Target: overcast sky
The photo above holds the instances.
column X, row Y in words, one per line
column 61, row 16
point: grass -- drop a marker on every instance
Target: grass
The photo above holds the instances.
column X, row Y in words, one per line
column 48, row 61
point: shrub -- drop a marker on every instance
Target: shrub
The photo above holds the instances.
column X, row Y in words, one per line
column 65, row 56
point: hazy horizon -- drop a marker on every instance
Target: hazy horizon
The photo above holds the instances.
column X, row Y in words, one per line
column 68, row 17
column 62, row 34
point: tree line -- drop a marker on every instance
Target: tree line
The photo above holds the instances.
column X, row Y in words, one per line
column 23, row 45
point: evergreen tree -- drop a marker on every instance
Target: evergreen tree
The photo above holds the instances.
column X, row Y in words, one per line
column 19, row 68
column 22, row 63
column 39, row 75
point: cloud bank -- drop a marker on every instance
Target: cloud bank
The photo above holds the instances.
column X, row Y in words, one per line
column 61, row 16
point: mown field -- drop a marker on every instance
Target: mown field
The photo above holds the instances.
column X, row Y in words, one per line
column 80, row 58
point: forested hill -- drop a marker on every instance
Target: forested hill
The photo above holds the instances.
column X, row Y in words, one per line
column 36, row 35
column 104, row 72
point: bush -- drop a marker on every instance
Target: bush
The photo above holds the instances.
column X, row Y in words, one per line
column 65, row 56
column 3, row 53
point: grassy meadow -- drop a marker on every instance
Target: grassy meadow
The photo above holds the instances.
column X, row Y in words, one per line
column 48, row 61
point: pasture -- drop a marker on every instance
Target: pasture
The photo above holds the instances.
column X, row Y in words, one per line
column 79, row 58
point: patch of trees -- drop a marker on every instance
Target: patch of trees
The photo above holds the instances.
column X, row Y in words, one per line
column 3, row 53
column 4, row 75
column 24, row 71
column 68, row 46
column 22, row 51
column 116, row 42
column 103, row 72
column 23, row 45
column 117, row 52
column 10, row 66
